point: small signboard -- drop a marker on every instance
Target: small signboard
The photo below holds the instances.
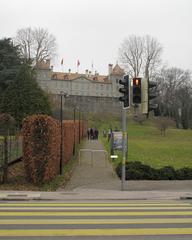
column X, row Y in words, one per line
column 117, row 140
column 114, row 156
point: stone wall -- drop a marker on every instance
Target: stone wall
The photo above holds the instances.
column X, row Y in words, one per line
column 87, row 105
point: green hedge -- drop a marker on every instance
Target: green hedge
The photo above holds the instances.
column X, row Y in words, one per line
column 138, row 171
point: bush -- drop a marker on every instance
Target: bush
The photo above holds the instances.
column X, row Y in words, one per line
column 138, row 171
column 41, row 148
column 167, row 173
column 184, row 174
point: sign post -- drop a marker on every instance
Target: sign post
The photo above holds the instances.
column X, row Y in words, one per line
column 125, row 148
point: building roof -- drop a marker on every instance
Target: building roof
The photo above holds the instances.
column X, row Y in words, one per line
column 74, row 76
column 117, row 70
column 45, row 65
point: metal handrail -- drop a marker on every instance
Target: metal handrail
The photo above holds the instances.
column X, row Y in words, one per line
column 92, row 152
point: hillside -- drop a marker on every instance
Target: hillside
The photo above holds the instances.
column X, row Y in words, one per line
column 147, row 145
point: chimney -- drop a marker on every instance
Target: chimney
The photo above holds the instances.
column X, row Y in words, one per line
column 110, row 68
column 86, row 72
column 47, row 63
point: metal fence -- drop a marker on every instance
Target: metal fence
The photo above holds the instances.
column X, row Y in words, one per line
column 14, row 148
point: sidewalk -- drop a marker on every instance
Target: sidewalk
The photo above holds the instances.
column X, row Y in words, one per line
column 93, row 171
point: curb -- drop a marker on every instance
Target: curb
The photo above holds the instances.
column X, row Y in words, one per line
column 20, row 196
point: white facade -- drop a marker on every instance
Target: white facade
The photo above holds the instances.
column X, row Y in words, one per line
column 80, row 84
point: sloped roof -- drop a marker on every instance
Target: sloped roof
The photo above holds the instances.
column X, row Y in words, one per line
column 74, row 76
column 117, row 70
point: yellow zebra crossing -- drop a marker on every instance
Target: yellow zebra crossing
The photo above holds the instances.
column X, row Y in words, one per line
column 96, row 219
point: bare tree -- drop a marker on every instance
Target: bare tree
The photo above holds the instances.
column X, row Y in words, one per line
column 163, row 123
column 131, row 54
column 152, row 55
column 140, row 55
column 175, row 99
column 36, row 44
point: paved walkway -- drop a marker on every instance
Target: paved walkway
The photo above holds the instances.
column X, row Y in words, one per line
column 94, row 171
column 96, row 174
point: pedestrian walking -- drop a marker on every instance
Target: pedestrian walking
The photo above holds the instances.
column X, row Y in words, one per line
column 88, row 133
column 91, row 133
column 96, row 134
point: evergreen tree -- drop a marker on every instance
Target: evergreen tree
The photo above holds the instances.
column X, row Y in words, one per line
column 10, row 62
column 24, row 97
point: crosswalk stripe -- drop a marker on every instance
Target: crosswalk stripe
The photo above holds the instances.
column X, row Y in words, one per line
column 93, row 221
column 96, row 208
column 166, row 213
column 95, row 232
column 91, row 204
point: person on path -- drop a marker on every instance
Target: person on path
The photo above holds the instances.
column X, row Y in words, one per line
column 88, row 133
column 91, row 133
column 96, row 134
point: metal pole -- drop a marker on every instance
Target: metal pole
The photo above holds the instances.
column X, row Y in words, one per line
column 79, row 126
column 74, row 131
column 125, row 151
column 82, row 124
column 61, row 146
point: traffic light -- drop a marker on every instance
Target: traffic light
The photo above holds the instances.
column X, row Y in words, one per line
column 137, row 90
column 149, row 93
column 125, row 91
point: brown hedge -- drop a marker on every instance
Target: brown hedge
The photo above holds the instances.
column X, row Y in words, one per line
column 41, row 145
column 70, row 136
column 41, row 148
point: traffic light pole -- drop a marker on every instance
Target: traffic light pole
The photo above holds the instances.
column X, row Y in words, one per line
column 125, row 148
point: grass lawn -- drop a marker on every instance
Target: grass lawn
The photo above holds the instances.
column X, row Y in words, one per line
column 148, row 146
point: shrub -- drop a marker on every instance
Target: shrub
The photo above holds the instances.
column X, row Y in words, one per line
column 41, row 148
column 167, row 173
column 184, row 173
column 138, row 171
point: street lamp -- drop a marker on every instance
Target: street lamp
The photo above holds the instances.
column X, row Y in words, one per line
column 65, row 95
column 79, row 125
column 74, row 115
column 82, row 123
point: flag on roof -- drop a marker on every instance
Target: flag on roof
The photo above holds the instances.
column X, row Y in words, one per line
column 78, row 63
column 62, row 61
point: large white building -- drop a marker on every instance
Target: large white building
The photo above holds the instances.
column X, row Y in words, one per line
column 77, row 84
column 90, row 92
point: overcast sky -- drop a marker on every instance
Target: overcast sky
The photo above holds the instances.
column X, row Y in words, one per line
column 92, row 30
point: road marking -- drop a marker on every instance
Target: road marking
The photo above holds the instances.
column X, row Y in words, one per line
column 91, row 204
column 93, row 221
column 95, row 232
column 97, row 208
column 187, row 213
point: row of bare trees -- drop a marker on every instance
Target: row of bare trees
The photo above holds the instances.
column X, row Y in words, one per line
column 175, row 95
column 141, row 56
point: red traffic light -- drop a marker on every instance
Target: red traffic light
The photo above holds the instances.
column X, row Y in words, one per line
column 136, row 81
column 137, row 90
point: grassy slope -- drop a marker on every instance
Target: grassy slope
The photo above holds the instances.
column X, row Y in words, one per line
column 148, row 146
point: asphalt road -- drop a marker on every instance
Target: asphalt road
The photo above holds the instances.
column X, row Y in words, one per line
column 136, row 220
